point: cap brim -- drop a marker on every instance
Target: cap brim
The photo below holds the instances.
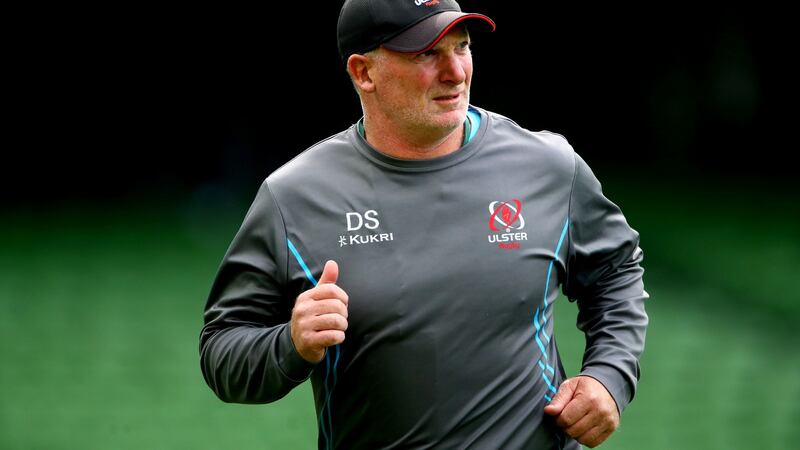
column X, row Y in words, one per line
column 424, row 35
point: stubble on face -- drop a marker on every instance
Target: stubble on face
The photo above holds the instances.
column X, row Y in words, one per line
column 427, row 94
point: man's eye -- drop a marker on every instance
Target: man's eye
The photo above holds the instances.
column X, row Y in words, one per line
column 425, row 56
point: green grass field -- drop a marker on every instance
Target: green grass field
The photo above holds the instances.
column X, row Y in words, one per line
column 100, row 312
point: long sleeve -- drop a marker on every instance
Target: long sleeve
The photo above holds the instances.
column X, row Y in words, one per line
column 246, row 351
column 604, row 275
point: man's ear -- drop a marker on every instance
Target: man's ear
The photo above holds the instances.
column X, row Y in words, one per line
column 358, row 66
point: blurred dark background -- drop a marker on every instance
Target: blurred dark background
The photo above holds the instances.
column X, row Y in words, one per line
column 166, row 102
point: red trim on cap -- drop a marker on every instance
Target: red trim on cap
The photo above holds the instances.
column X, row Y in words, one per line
column 449, row 27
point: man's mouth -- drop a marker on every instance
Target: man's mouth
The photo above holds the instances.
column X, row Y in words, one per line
column 447, row 97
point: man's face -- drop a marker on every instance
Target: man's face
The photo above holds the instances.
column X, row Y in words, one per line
column 428, row 92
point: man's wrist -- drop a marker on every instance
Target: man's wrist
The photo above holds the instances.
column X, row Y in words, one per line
column 293, row 366
column 614, row 382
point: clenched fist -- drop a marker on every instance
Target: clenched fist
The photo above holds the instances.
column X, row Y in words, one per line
column 319, row 317
column 585, row 410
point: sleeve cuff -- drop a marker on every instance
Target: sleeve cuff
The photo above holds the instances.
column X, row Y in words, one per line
column 293, row 366
column 613, row 381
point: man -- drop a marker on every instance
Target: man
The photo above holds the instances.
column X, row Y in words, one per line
column 409, row 264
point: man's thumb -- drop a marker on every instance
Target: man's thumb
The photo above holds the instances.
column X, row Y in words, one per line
column 562, row 397
column 330, row 273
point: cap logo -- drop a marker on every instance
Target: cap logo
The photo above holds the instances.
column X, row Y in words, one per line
column 426, row 2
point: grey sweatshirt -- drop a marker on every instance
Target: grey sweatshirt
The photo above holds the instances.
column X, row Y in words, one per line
column 452, row 266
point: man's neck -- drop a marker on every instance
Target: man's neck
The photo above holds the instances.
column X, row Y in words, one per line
column 398, row 145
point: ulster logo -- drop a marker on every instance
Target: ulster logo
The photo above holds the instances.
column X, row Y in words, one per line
column 506, row 218
column 506, row 215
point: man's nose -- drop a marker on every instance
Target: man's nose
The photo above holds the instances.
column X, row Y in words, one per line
column 453, row 69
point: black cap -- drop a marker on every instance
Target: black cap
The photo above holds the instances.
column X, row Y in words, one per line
column 409, row 26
